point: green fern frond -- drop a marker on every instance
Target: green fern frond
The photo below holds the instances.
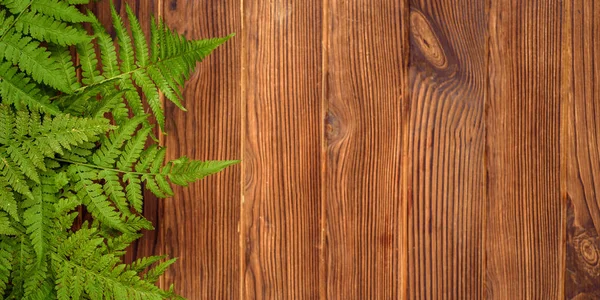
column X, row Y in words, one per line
column 6, row 225
column 59, row 10
column 32, row 59
column 16, row 88
column 45, row 28
column 141, row 264
column 8, row 202
column 107, row 155
column 92, row 196
column 7, row 256
column 183, row 170
column 38, row 215
column 59, row 151
column 89, row 61
column 164, row 69
column 154, row 273
column 63, row 58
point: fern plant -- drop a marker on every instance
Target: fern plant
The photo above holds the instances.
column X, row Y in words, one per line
column 75, row 134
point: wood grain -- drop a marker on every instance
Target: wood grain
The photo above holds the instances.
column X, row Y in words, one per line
column 281, row 94
column 581, row 148
column 365, row 74
column 524, row 244
column 445, row 159
column 199, row 225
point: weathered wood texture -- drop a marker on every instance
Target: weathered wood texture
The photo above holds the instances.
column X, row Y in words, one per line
column 405, row 149
column 281, row 110
column 445, row 160
column 524, row 243
column 365, row 120
column 581, row 148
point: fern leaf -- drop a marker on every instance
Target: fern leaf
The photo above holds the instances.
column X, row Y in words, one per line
column 59, row 10
column 183, row 170
column 38, row 216
column 5, row 225
column 133, row 98
column 24, row 163
column 134, row 191
column 7, row 201
column 111, row 102
column 113, row 188
column 143, row 263
column 111, row 145
column 93, row 197
column 139, row 40
column 62, row 55
column 38, row 284
column 45, row 28
column 63, row 281
column 153, row 186
column 16, row 6
column 32, row 59
column 159, row 270
column 9, row 173
column 151, row 92
column 7, row 249
column 105, row 275
column 133, row 150
column 108, row 53
column 124, row 41
column 16, row 89
column 89, row 64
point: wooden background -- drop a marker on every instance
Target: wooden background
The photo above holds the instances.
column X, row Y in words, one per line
column 392, row 149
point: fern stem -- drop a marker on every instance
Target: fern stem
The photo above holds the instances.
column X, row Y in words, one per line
column 103, row 168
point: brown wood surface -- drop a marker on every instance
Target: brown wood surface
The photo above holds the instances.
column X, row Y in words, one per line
column 365, row 121
column 445, row 160
column 281, row 110
column 524, row 243
column 392, row 149
column 581, row 148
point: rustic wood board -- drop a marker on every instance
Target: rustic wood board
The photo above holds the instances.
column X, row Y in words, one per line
column 524, row 222
column 581, row 148
column 445, row 160
column 365, row 120
column 281, row 96
column 391, row 150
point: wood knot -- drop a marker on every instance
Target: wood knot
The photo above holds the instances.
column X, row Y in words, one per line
column 588, row 252
column 427, row 41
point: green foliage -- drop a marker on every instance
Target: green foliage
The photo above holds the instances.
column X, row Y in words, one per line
column 78, row 137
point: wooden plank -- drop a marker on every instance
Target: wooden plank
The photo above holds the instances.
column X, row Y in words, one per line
column 281, row 209
column 199, row 225
column 581, row 148
column 524, row 245
column 445, row 160
column 144, row 10
column 365, row 79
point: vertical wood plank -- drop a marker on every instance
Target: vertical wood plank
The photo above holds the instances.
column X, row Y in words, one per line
column 581, row 148
column 281, row 208
column 199, row 225
column 524, row 247
column 144, row 10
column 366, row 51
column 445, row 160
